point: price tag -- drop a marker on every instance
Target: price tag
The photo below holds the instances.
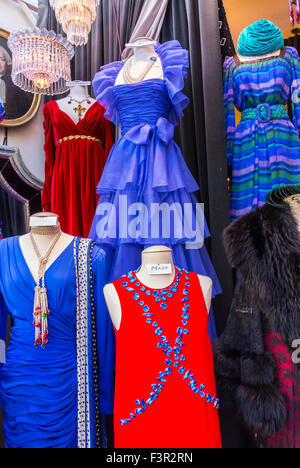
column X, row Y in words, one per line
column 159, row 269
column 72, row 84
column 37, row 221
column 2, row 352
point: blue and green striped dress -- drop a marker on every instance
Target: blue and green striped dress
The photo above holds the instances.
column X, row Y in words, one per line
column 264, row 149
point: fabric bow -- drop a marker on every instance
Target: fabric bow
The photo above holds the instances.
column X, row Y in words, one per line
column 141, row 134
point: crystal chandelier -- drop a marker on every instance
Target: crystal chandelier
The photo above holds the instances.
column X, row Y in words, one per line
column 40, row 61
column 76, row 18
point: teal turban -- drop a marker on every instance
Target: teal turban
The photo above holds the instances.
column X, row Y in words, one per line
column 260, row 38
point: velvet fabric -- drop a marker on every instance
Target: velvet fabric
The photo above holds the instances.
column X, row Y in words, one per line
column 73, row 168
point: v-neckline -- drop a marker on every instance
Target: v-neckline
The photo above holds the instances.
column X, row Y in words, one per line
column 69, row 118
column 50, row 266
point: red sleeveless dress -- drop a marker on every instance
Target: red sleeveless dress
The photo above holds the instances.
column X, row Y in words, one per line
column 165, row 385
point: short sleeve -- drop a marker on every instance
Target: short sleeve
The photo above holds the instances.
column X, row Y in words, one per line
column 175, row 62
column 105, row 333
column 103, row 85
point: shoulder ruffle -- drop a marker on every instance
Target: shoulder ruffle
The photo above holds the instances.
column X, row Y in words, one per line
column 175, row 62
column 103, row 85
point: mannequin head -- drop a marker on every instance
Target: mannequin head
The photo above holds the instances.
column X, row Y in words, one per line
column 286, row 197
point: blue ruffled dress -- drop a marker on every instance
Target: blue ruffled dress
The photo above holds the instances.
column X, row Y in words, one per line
column 146, row 170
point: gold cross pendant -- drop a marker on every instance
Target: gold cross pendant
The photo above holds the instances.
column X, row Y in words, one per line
column 80, row 110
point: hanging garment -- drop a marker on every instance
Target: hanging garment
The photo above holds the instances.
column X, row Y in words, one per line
column 256, row 367
column 47, row 399
column 264, row 149
column 75, row 158
column 146, row 167
column 165, row 386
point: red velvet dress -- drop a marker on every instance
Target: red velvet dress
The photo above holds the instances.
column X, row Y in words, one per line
column 74, row 167
column 165, row 386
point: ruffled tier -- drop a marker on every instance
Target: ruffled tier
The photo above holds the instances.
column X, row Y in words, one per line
column 175, row 63
column 157, row 218
column 147, row 160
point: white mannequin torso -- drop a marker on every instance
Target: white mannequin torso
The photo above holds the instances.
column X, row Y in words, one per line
column 80, row 93
column 43, row 243
column 141, row 58
column 153, row 255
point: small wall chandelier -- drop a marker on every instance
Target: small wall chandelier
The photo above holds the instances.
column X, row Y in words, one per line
column 40, row 61
column 76, row 18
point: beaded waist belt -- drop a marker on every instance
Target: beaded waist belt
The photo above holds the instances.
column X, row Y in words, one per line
column 265, row 113
column 79, row 137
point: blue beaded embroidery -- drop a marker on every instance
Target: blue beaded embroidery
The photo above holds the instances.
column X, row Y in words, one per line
column 174, row 355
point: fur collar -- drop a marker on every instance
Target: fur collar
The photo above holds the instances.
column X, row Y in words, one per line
column 264, row 246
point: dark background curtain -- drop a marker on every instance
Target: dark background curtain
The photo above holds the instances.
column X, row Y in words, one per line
column 11, row 215
column 293, row 41
column 201, row 134
column 226, row 41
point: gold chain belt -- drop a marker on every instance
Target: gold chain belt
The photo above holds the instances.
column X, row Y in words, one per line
column 79, row 137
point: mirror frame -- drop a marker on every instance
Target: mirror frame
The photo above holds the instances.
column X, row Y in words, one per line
column 34, row 106
column 13, row 172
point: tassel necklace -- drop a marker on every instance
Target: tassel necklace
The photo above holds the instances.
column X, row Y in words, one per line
column 41, row 311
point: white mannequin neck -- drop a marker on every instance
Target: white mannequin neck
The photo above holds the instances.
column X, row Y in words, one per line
column 143, row 53
column 139, row 61
column 259, row 57
column 43, row 238
column 80, row 94
column 156, row 256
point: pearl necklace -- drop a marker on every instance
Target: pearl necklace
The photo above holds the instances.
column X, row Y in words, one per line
column 79, row 102
column 127, row 75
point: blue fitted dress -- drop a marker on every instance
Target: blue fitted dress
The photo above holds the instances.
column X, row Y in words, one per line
column 146, row 171
column 38, row 388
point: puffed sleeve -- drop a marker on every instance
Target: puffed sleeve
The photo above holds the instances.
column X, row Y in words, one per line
column 229, row 107
column 294, row 61
column 49, row 149
column 103, row 85
column 175, row 62
column 105, row 333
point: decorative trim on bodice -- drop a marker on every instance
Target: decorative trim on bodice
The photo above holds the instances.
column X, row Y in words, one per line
column 175, row 359
column 87, row 367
